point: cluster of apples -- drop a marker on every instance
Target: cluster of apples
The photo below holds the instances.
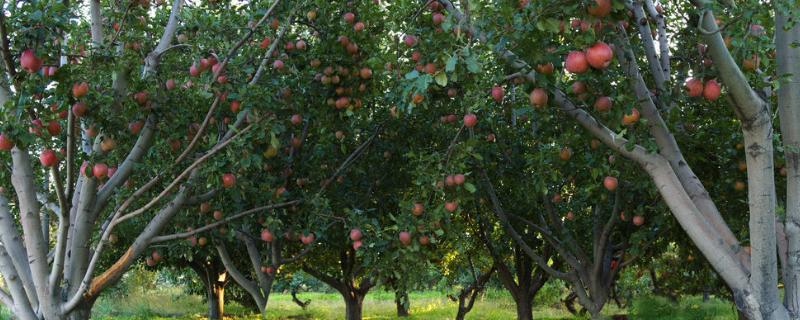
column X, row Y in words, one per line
column 710, row 90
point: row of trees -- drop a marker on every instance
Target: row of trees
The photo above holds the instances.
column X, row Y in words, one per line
column 359, row 140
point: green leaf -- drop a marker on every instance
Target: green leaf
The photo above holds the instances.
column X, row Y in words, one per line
column 470, row 187
column 472, row 65
column 451, row 64
column 441, row 79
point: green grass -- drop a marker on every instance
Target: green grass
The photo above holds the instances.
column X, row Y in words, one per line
column 174, row 304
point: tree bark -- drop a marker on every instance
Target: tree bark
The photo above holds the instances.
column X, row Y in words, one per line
column 353, row 305
column 524, row 308
column 216, row 301
column 402, row 302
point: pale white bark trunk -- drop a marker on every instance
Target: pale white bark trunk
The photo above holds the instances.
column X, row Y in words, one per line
column 788, row 58
column 22, row 307
column 240, row 278
column 15, row 251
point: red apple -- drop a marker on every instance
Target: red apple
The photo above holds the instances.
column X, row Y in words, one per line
column 565, row 153
column 600, row 8
column 194, row 70
column 365, row 73
column 451, row 206
column 470, row 119
column 100, row 170
column 405, row 238
column 578, row 87
column 297, row 119
column 694, row 87
column 610, row 183
column 136, row 126
column 235, row 106
column 599, row 55
column 266, row 235
column 278, row 64
column 349, row 17
column 410, row 40
column 424, row 240
column 355, row 234
column 602, row 104
column 307, row 239
column 359, row 26
column 79, row 109
column 570, row 215
column 170, row 84
column 437, row 18
column 357, row 244
column 140, row 97
column 498, row 93
column 417, row 209
column 53, row 127
column 711, row 90
column 228, row 180
column 5, row 142
column 576, row 62
column 80, row 89
column 459, row 179
column 29, row 61
column 538, row 98
column 638, row 220
column 629, row 119
column 545, row 68
column 48, row 158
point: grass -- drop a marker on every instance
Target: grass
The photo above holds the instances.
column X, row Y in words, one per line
column 173, row 304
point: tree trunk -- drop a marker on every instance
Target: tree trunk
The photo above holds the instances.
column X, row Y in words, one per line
column 353, row 303
column 216, row 301
column 82, row 312
column 524, row 307
column 402, row 302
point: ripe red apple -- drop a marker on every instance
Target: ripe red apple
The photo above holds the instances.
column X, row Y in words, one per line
column 602, row 104
column 297, row 119
column 266, row 235
column 405, row 238
column 29, row 61
column 355, row 234
column 359, row 26
column 578, row 87
column 228, row 180
column 565, row 153
column 451, row 206
column 170, row 84
column 459, row 179
column 365, row 73
column 80, row 89
column 205, row 207
column 79, row 109
column 409, row 40
column 570, row 215
column 739, row 186
column 53, row 127
column 711, row 90
column 140, row 97
column 599, row 55
column 576, row 62
column 349, row 17
column 470, row 119
column 437, row 18
column 638, row 220
column 100, row 170
column 134, row 126
column 631, row 118
column 307, row 239
column 610, row 183
column 236, row 106
column 278, row 64
column 497, row 93
column 357, row 244
column 5, row 142
column 424, row 240
column 545, row 68
column 300, row 44
column 538, row 98
column 417, row 209
column 48, row 158
column 202, row 241
column 694, row 87
column 600, row 8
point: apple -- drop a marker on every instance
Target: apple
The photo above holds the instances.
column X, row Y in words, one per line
column 278, row 64
column 429, row 68
column 405, row 238
column 498, row 93
column 638, row 220
column 557, row 198
column 53, row 127
column 739, row 186
column 409, row 40
column 424, row 240
column 297, row 119
column 417, row 209
column 578, row 87
column 349, row 17
column 470, row 119
column 266, row 235
column 449, row 181
column 307, row 239
column 538, row 98
column 694, row 87
column 610, row 183
column 600, row 8
column 355, row 234
column 570, row 215
column 80, row 89
column 358, row 26
column 202, row 241
column 29, row 61
column 135, row 126
column 576, row 62
column 437, row 18
column 300, row 44
column 365, row 73
column 631, row 118
column 48, row 158
column 228, row 180
column 599, row 55
column 565, row 153
column 451, row 206
column 757, row 30
column 311, row 15
column 5, row 142
column 357, row 244
column 602, row 104
column 140, row 97
column 100, row 170
column 156, row 256
column 545, row 68
column 459, row 179
column 711, row 90
column 265, row 43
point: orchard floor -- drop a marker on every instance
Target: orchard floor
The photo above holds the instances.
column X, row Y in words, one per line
column 173, row 304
